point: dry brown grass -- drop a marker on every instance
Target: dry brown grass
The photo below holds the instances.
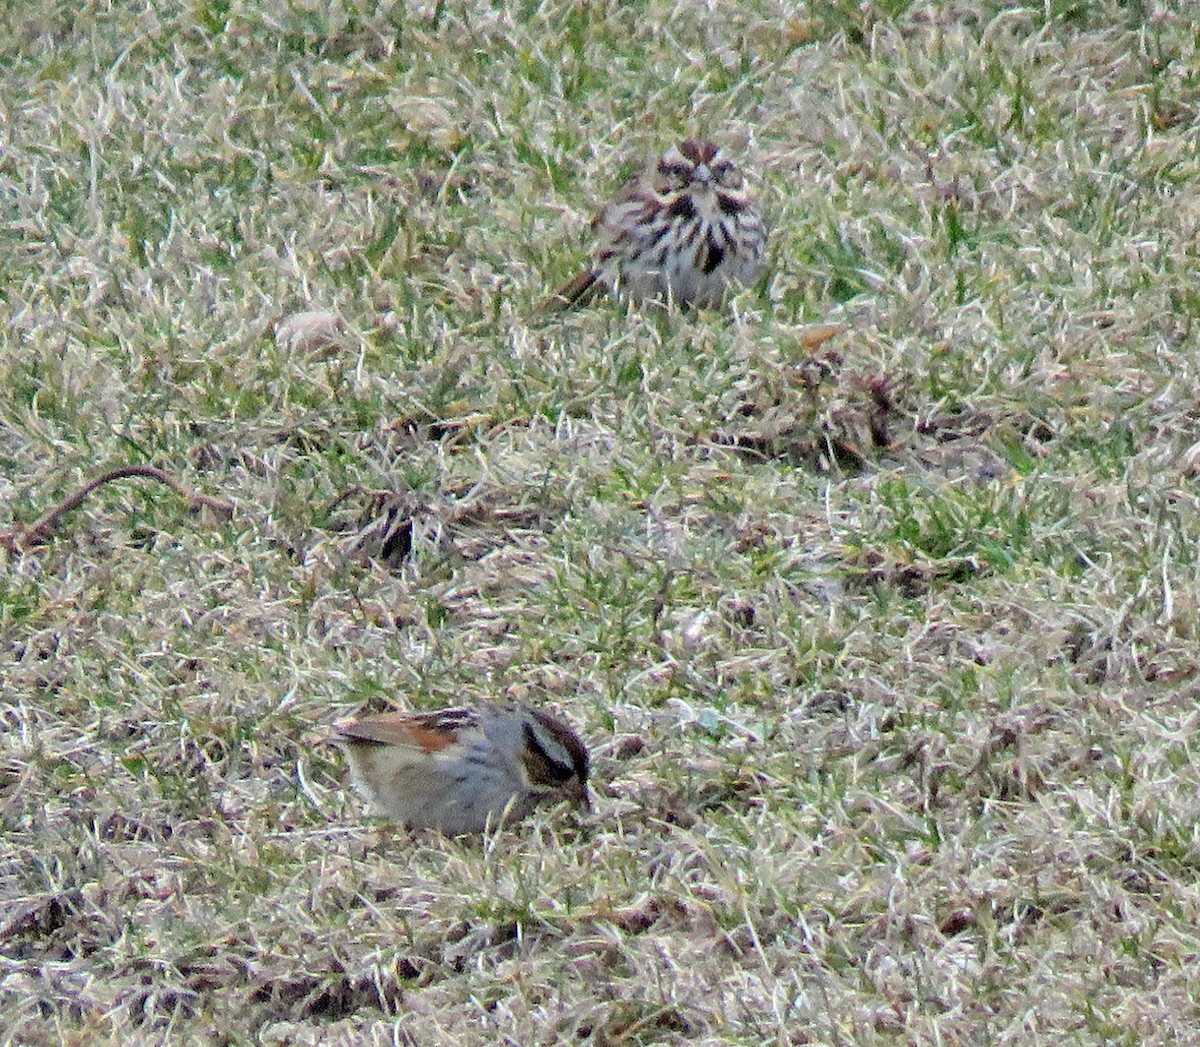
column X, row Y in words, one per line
column 885, row 643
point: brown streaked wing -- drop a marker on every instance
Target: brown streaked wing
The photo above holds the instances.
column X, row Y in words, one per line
column 639, row 187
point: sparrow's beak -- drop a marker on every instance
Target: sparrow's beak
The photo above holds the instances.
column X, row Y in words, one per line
column 578, row 791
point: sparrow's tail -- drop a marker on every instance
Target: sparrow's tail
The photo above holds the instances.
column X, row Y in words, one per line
column 579, row 291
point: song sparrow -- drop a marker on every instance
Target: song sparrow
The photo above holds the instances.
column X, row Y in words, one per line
column 681, row 231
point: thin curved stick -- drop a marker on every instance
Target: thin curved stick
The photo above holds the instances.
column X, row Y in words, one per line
column 38, row 532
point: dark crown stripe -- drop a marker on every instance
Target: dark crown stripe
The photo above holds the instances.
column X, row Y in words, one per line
column 559, row 771
column 698, row 152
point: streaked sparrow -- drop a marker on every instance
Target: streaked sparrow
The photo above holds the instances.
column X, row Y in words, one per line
column 463, row 770
column 683, row 230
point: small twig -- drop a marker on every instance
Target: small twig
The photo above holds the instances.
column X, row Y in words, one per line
column 39, row 532
column 659, row 606
column 351, row 492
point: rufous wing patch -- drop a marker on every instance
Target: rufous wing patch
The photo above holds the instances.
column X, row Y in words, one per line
column 396, row 729
column 430, row 740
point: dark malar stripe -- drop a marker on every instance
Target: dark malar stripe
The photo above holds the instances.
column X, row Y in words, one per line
column 682, row 207
column 731, row 204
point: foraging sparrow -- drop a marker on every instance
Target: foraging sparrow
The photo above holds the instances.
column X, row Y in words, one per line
column 461, row 770
column 683, row 230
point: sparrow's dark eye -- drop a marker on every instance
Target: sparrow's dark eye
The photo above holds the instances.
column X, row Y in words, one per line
column 675, row 174
column 727, row 174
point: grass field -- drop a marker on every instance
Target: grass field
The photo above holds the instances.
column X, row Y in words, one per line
column 885, row 643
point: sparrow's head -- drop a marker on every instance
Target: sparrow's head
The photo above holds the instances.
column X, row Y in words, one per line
column 553, row 757
column 694, row 163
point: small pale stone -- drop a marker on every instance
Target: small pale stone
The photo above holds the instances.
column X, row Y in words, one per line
column 304, row 332
column 1190, row 460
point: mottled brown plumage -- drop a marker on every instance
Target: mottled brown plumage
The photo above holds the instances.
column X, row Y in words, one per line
column 682, row 231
